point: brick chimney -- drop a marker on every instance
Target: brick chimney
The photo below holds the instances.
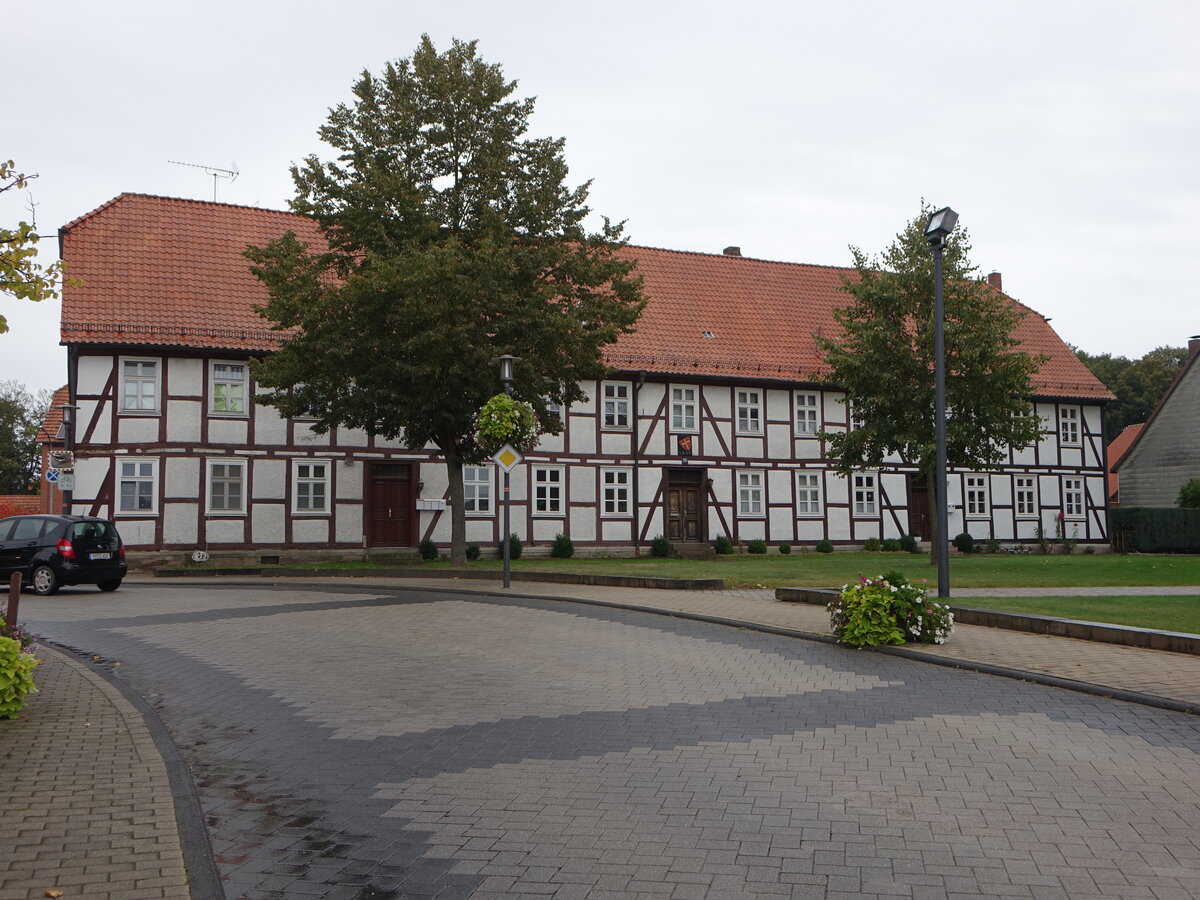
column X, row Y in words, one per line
column 732, row 251
column 994, row 281
column 1193, row 345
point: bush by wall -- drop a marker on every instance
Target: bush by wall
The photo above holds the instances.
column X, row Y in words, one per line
column 1152, row 529
column 514, row 547
column 785, row 549
column 660, row 547
column 472, row 552
column 964, row 542
column 756, row 547
column 564, row 547
column 871, row 544
column 824, row 546
column 428, row 550
column 908, row 544
column 723, row 544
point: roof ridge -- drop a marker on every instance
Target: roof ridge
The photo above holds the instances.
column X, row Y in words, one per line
column 125, row 195
column 754, row 259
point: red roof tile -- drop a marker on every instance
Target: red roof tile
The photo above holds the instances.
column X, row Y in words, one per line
column 48, row 432
column 166, row 272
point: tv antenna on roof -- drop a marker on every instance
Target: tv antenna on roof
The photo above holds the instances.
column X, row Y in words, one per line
column 216, row 173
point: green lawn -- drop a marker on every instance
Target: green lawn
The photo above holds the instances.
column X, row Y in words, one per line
column 832, row 569
column 1169, row 613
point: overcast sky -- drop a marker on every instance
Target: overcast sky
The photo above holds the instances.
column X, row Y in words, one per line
column 1065, row 134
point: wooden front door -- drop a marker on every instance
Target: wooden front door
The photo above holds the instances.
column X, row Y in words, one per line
column 918, row 507
column 685, row 507
column 390, row 513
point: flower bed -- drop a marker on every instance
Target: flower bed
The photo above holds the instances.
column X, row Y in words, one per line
column 888, row 611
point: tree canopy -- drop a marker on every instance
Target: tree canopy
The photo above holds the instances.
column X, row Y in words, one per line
column 884, row 360
column 452, row 239
column 1138, row 383
column 21, row 275
column 21, row 414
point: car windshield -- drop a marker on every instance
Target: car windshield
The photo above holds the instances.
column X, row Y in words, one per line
column 91, row 534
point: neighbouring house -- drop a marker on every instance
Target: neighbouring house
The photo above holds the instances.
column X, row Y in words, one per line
column 1165, row 455
column 52, row 436
column 1117, row 448
column 707, row 425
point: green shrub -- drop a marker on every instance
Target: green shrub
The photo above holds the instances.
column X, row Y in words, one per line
column 908, row 544
column 428, row 550
column 965, row 543
column 785, row 549
column 514, row 547
column 1147, row 529
column 758, row 548
column 825, row 546
column 993, row 545
column 723, row 544
column 1189, row 495
column 891, row 545
column 871, row 544
column 660, row 547
column 472, row 552
column 894, row 577
column 564, row 547
column 1089, row 549
column 16, row 676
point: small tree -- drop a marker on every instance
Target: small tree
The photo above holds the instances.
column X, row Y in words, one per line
column 884, row 360
column 21, row 275
column 452, row 239
column 21, row 414
column 1189, row 494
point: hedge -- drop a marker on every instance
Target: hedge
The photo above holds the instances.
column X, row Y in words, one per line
column 1154, row 529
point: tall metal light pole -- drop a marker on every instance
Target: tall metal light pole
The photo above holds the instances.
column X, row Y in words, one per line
column 506, row 378
column 941, row 223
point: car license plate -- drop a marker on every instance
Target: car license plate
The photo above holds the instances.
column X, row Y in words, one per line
column 99, row 556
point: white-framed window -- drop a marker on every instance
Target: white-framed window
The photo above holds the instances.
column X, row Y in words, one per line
column 615, row 405
column 977, row 496
column 808, row 413
column 749, row 412
column 866, row 499
column 808, row 494
column 477, row 490
column 855, row 422
column 228, row 388
column 227, row 487
column 310, row 486
column 1025, row 491
column 137, row 487
column 750, row 493
column 683, row 409
column 547, row 491
column 1073, row 498
column 614, row 492
column 139, row 385
column 1068, row 425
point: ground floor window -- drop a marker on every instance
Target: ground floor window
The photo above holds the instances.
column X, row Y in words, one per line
column 1073, row 498
column 615, row 492
column 750, row 494
column 226, row 487
column 866, row 501
column 477, row 490
column 137, row 490
column 977, row 496
column 1026, row 497
column 547, row 490
column 808, row 493
column 310, row 486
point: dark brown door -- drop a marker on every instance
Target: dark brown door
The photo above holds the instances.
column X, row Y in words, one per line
column 918, row 507
column 685, row 509
column 390, row 510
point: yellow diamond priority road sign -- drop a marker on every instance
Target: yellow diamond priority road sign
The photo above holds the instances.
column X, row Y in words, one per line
column 507, row 458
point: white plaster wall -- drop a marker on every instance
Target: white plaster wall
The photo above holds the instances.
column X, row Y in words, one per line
column 722, row 486
column 779, row 441
column 228, row 431
column 93, row 373
column 655, row 437
column 348, row 481
column 270, row 482
column 1026, row 457
column 137, row 532
column 185, row 377
column 1048, row 491
column 582, row 524
column 582, row 485
column 225, row 531
column 546, row 529
column 183, row 421
column 1072, row 456
column 806, row 448
column 479, row 531
column 90, row 473
column 269, row 428
column 180, row 523
column 780, row 520
column 809, row 530
column 182, row 477
column 580, row 435
column 135, row 430
column 837, row 488
column 749, row 448
column 1001, row 489
column 719, row 399
column 616, row 443
column 348, row 523
column 310, row 531
column 352, row 437
column 751, row 529
column 707, row 446
column 266, row 523
column 305, row 436
column 103, row 431
column 654, row 516
column 616, row 530
column 839, row 524
column 778, row 405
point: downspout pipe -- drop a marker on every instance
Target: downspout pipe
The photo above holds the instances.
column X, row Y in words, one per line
column 637, row 412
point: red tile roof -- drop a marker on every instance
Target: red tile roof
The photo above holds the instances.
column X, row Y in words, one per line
column 1117, row 448
column 48, row 432
column 165, row 272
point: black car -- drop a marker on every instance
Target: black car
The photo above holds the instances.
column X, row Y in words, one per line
column 51, row 551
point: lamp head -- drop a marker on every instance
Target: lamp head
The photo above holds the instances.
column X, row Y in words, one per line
column 507, row 361
column 941, row 223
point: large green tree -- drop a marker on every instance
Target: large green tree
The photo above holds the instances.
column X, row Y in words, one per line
column 1138, row 383
column 452, row 238
column 883, row 358
column 21, row 275
column 21, row 414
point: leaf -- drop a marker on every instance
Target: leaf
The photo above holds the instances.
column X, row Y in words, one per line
column 50, row 892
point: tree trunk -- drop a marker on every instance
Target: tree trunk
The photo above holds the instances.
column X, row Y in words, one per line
column 458, row 512
column 933, row 517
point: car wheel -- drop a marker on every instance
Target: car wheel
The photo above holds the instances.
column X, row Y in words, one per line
column 110, row 585
column 44, row 581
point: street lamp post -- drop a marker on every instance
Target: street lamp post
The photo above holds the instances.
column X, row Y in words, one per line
column 507, row 361
column 941, row 223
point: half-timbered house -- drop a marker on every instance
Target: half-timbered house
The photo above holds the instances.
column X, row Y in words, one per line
column 708, row 425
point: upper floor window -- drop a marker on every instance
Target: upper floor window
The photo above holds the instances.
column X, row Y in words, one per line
column 808, row 407
column 614, row 486
column 137, row 486
column 226, row 487
column 310, row 486
column 1073, row 498
column 750, row 501
column 615, row 401
column 977, row 495
column 228, row 395
column 866, row 502
column 547, row 490
column 477, row 490
column 1068, row 425
column 808, row 493
column 139, row 385
column 683, row 409
column 749, row 412
column 1026, row 496
column 856, row 421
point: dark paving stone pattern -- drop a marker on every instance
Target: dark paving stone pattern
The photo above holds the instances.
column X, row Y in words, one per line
column 357, row 744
